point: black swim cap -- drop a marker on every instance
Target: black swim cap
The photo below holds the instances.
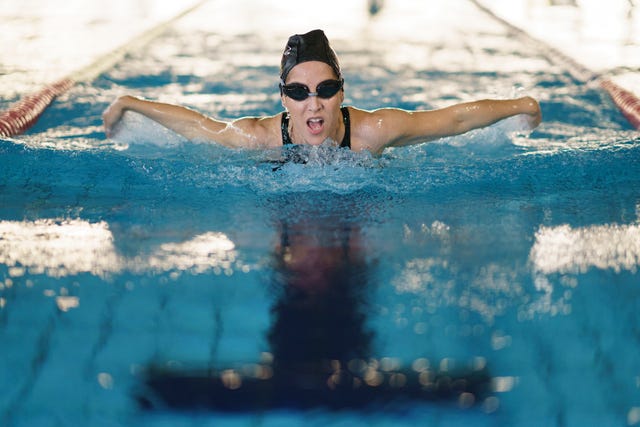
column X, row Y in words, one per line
column 312, row 46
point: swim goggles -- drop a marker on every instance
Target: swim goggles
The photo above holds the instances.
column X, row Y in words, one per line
column 300, row 92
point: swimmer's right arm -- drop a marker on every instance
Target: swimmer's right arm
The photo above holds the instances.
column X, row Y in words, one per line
column 247, row 132
column 182, row 120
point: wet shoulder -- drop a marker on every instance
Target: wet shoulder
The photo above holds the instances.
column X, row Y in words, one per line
column 373, row 130
column 256, row 132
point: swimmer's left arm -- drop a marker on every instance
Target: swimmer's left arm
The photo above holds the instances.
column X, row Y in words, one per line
column 406, row 128
column 478, row 114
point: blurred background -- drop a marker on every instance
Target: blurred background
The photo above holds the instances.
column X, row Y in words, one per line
column 45, row 40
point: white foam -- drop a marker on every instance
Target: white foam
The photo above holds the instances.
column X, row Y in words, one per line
column 137, row 131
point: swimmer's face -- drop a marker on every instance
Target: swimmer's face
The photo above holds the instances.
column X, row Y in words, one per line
column 314, row 119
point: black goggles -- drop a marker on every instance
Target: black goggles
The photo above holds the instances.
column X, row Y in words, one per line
column 300, row 92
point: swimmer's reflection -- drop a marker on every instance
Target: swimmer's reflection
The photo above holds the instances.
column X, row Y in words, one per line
column 320, row 344
column 321, row 282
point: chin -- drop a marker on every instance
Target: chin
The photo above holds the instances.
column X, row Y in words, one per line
column 317, row 139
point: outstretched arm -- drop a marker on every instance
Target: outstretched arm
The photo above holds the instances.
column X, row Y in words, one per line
column 472, row 115
column 182, row 120
column 461, row 118
column 247, row 132
column 399, row 127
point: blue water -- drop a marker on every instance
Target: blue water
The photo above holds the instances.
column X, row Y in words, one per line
column 498, row 249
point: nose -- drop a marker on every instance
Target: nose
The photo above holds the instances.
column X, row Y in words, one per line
column 314, row 103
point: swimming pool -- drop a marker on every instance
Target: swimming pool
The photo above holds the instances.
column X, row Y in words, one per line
column 494, row 252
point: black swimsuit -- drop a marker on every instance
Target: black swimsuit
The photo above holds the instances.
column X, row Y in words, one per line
column 346, row 141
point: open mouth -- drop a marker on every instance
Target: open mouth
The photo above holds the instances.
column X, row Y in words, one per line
column 315, row 125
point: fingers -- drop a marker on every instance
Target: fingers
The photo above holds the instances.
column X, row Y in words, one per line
column 110, row 117
column 532, row 109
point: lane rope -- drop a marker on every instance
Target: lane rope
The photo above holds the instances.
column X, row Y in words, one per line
column 23, row 114
column 626, row 101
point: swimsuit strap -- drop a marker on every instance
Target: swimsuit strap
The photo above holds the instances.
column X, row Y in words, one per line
column 346, row 141
column 284, row 126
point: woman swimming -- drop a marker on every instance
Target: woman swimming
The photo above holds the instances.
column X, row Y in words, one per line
column 312, row 92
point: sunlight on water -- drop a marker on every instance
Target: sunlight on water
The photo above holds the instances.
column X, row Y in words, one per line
column 57, row 248
column 565, row 249
column 205, row 252
column 60, row 248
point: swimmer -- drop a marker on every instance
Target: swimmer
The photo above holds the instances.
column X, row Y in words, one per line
column 312, row 93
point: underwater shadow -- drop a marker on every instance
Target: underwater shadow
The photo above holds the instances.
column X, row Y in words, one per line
column 321, row 348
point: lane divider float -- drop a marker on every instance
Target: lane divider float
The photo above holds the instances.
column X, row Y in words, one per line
column 23, row 114
column 627, row 102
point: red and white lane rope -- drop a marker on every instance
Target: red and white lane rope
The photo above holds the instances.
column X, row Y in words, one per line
column 626, row 101
column 22, row 115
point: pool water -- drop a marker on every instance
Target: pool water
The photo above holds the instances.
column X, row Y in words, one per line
column 142, row 265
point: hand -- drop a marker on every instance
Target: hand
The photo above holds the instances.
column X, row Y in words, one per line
column 531, row 108
column 113, row 114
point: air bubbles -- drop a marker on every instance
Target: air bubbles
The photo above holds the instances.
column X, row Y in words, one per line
column 491, row 404
column 420, row 365
column 105, row 380
column 66, row 302
column 397, row 380
column 420, row 328
column 479, row 363
column 633, row 417
column 231, row 379
column 500, row 341
column 503, row 384
column 466, row 400
column 373, row 378
column 357, row 366
column 389, row 364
